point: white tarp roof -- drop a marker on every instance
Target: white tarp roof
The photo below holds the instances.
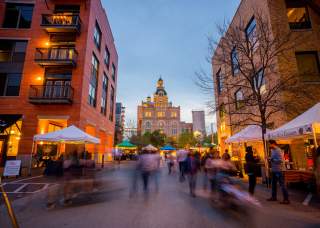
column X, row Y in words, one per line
column 70, row 134
column 248, row 134
column 150, row 148
column 301, row 125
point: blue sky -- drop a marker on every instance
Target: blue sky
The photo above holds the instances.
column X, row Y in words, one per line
column 167, row 38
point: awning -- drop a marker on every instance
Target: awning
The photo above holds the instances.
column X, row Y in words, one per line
column 72, row 135
column 126, row 144
column 6, row 120
column 150, row 148
column 167, row 147
column 249, row 134
column 302, row 125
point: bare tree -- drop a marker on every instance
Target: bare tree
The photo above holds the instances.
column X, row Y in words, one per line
column 246, row 61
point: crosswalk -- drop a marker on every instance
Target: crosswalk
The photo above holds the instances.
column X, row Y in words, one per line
column 27, row 188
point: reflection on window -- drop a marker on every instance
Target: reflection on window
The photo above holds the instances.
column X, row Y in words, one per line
column 298, row 16
column 219, row 81
column 251, row 33
column 234, row 62
column 9, row 84
column 260, row 82
column 93, row 85
column 97, row 36
column 308, row 65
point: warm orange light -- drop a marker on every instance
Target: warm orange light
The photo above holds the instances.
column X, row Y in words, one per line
column 47, row 43
column 41, row 143
column 39, row 78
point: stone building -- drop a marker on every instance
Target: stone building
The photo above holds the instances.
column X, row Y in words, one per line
column 58, row 67
column 284, row 16
column 159, row 114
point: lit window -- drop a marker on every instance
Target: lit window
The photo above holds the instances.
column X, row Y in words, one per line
column 239, row 98
column 308, row 65
column 260, row 82
column 298, row 16
column 173, row 114
column 97, row 36
column 147, row 114
column 222, row 111
column 234, row 62
column 161, row 114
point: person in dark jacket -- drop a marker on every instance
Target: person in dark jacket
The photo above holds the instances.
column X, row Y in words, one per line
column 251, row 166
column 192, row 168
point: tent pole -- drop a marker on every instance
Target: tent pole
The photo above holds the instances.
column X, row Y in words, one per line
column 314, row 136
column 30, row 163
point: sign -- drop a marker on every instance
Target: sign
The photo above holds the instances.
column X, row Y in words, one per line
column 12, row 168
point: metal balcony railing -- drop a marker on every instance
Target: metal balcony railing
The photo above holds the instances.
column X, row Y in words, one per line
column 61, row 22
column 56, row 56
column 51, row 94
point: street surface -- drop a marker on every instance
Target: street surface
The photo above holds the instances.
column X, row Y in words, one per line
column 111, row 206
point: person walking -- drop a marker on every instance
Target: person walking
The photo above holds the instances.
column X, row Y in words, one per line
column 276, row 161
column 192, row 167
column 251, row 166
column 226, row 156
column 170, row 163
column 181, row 159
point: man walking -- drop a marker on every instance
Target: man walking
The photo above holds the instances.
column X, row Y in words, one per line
column 276, row 161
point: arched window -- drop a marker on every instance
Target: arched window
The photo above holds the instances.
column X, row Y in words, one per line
column 148, row 125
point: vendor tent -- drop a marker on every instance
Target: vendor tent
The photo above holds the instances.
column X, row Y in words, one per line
column 167, row 147
column 70, row 134
column 150, row 148
column 126, row 145
column 308, row 123
column 248, row 134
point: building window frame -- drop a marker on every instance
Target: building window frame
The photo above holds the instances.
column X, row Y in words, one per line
column 251, row 32
column 104, row 95
column 239, row 101
column 112, row 99
column 93, row 84
column 107, row 56
column 114, row 72
column 97, row 35
column 10, row 87
column 19, row 16
column 234, row 61
column 219, row 81
column 298, row 25
column 315, row 54
column 259, row 81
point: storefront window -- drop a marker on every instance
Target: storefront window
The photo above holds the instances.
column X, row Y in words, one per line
column 10, row 138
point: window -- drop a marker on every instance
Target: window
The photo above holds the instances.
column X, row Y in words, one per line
column 97, row 36
column 107, row 57
column 113, row 72
column 104, row 95
column 10, row 84
column 12, row 51
column 74, row 9
column 308, row 65
column 161, row 114
column 111, row 104
column 161, row 125
column 260, row 82
column 222, row 111
column 219, row 81
column 174, row 131
column 251, row 32
column 239, row 99
column 147, row 114
column 148, row 125
column 93, row 84
column 298, row 16
column 18, row 15
column 234, row 62
column 173, row 114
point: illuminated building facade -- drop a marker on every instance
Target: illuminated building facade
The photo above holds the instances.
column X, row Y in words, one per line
column 58, row 67
column 159, row 114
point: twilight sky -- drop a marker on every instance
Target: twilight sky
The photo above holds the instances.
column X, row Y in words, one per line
column 167, row 38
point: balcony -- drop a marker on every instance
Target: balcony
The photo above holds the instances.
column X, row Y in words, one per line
column 51, row 94
column 56, row 56
column 61, row 23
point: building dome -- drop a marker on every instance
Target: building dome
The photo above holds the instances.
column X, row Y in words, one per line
column 160, row 88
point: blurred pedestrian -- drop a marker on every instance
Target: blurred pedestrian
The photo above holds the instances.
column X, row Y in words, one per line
column 251, row 169
column 147, row 165
column 276, row 161
column 192, row 168
column 53, row 172
column 317, row 169
column 170, row 163
column 181, row 159
column 226, row 156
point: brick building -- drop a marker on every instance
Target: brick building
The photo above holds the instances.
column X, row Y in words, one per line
column 58, row 67
column 284, row 16
column 160, row 114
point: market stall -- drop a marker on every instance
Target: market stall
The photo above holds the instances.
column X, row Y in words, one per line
column 301, row 135
column 167, row 149
column 69, row 135
column 129, row 151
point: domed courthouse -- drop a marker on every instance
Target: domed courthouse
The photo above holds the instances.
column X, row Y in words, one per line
column 159, row 114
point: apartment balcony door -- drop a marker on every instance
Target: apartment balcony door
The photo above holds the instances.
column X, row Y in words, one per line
column 57, row 88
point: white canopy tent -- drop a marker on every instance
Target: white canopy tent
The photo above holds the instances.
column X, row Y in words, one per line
column 306, row 124
column 249, row 134
column 72, row 135
column 150, row 148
